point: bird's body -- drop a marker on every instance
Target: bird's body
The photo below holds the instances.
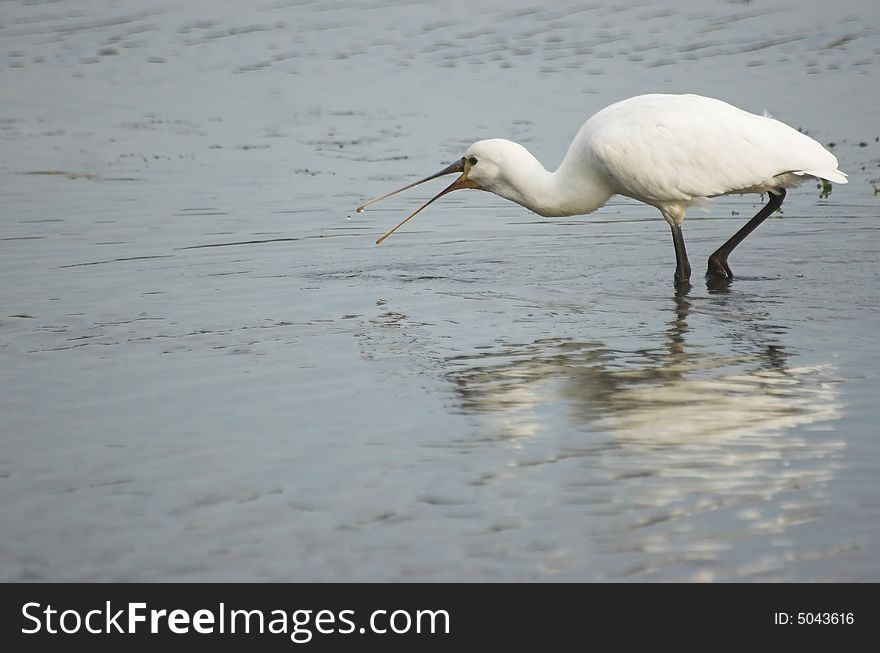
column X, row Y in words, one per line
column 668, row 151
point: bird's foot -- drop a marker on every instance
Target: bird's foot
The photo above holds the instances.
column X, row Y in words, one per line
column 718, row 268
column 682, row 275
column 682, row 288
column 719, row 275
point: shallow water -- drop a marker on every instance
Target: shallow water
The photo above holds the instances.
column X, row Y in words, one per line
column 210, row 372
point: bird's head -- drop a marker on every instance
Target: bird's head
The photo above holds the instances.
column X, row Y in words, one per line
column 492, row 163
column 484, row 166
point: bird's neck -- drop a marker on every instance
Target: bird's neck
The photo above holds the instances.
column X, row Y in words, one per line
column 573, row 189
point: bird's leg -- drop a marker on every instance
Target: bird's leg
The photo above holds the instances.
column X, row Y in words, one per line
column 682, row 265
column 718, row 266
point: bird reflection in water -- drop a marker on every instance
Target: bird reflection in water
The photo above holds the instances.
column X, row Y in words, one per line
column 671, row 393
column 665, row 456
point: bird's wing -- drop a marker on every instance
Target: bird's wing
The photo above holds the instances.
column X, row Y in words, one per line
column 679, row 153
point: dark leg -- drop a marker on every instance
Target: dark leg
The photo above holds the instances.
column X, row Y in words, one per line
column 718, row 266
column 682, row 265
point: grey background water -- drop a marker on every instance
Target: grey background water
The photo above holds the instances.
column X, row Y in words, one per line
column 209, row 371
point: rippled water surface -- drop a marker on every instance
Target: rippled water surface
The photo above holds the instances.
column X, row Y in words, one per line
column 210, row 372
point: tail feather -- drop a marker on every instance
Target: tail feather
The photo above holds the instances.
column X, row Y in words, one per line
column 835, row 176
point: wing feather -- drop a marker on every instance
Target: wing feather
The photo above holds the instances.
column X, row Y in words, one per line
column 678, row 148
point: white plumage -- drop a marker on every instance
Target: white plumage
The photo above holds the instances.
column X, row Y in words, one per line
column 663, row 149
column 668, row 151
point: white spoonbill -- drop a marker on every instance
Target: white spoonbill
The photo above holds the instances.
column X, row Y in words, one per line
column 669, row 151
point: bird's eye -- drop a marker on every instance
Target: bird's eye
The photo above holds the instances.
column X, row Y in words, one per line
column 472, row 160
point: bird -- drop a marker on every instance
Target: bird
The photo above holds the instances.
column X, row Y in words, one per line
column 670, row 151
